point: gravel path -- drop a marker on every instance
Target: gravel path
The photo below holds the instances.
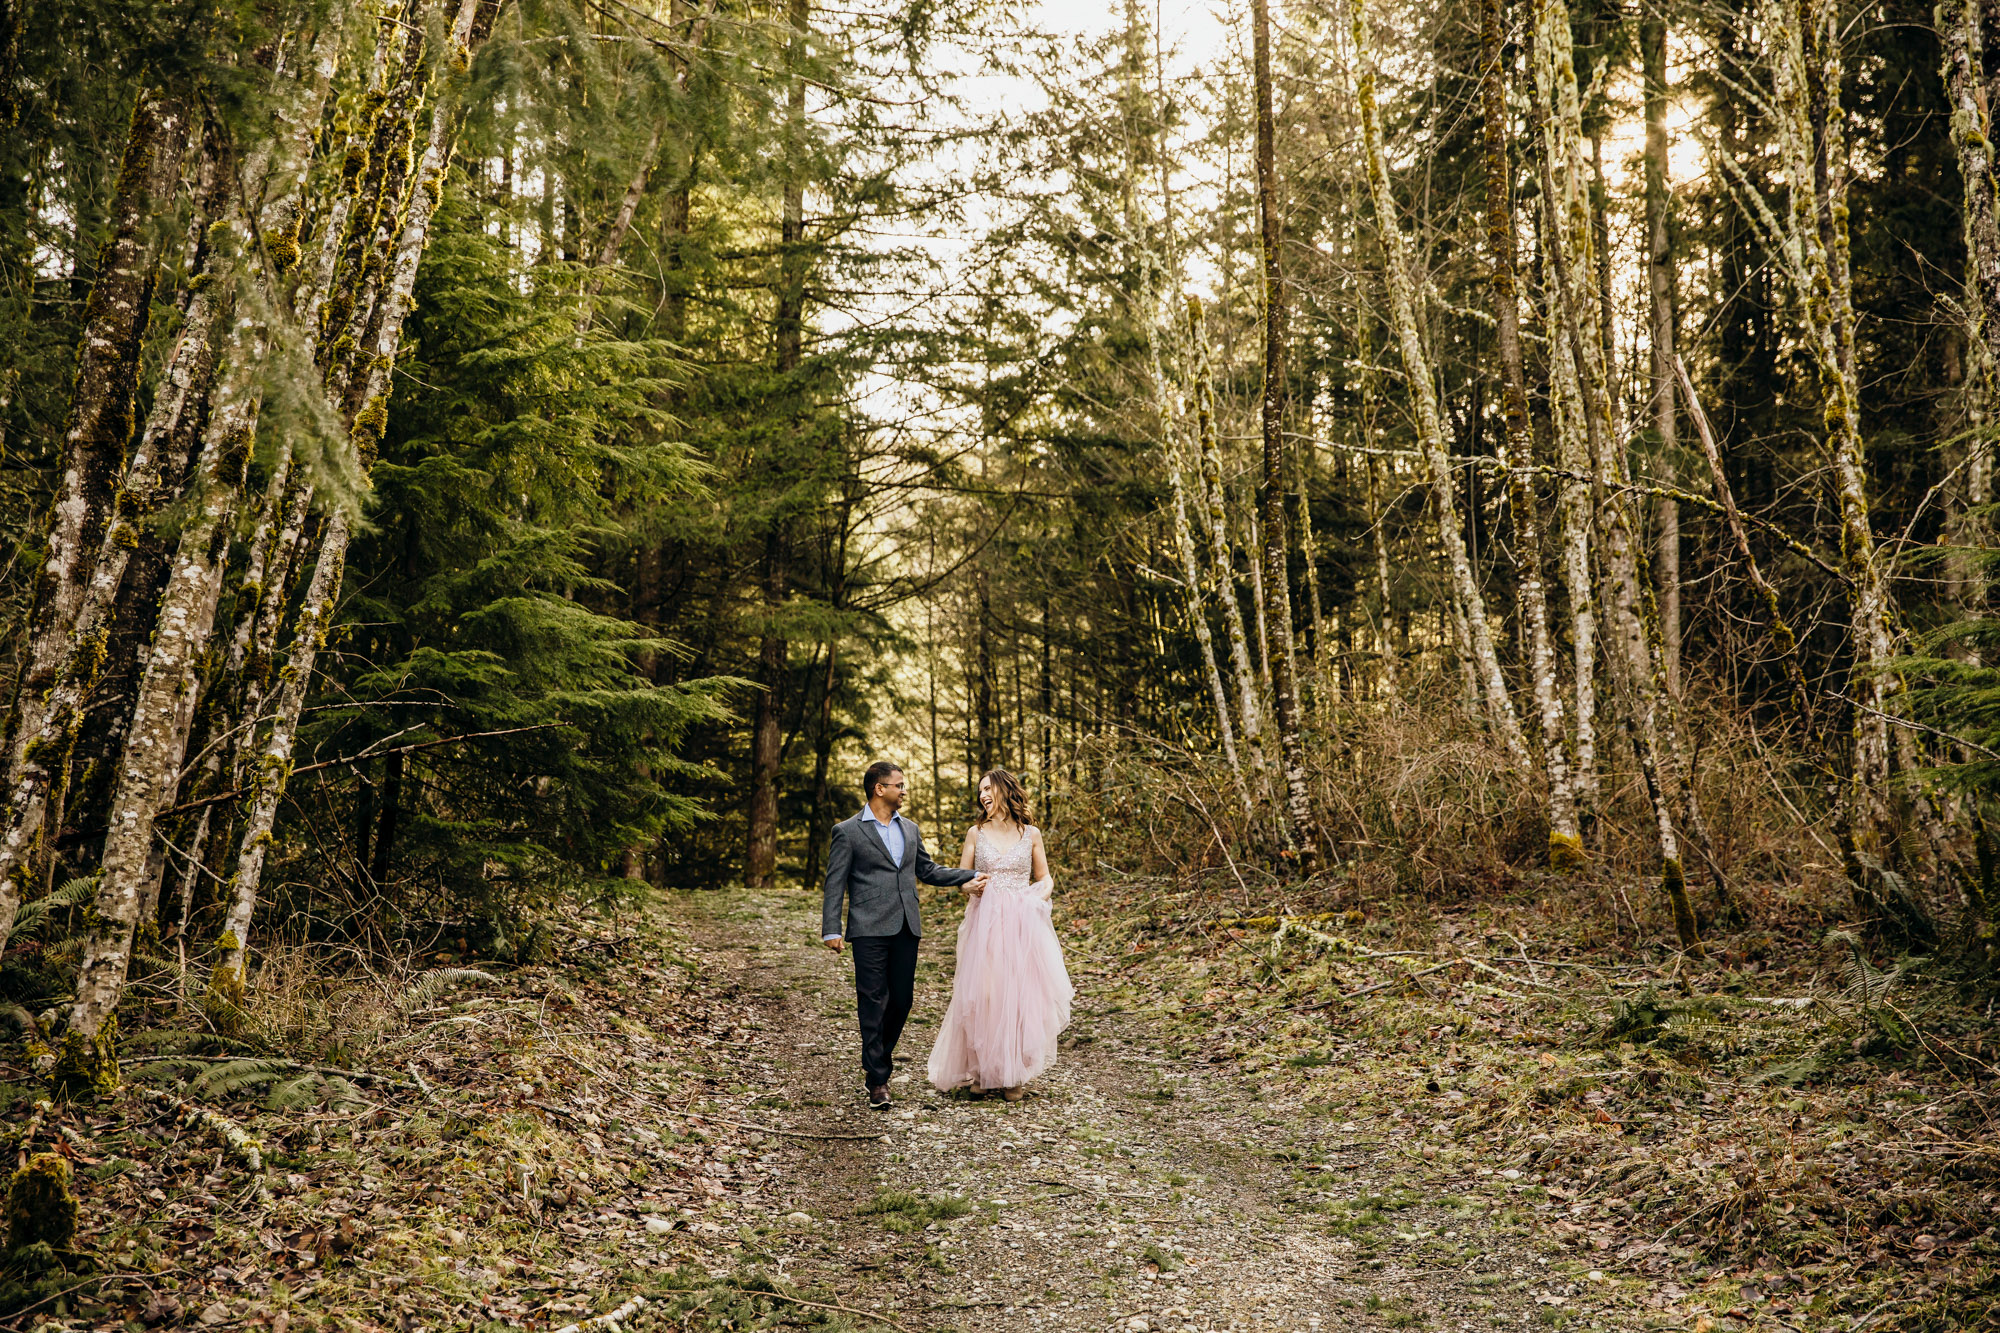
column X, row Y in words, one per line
column 1133, row 1190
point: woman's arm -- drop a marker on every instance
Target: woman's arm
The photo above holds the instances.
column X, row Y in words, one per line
column 1045, row 884
column 965, row 853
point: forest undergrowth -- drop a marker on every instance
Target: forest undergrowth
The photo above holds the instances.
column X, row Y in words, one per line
column 1792, row 1129
column 1797, row 1125
column 446, row 1146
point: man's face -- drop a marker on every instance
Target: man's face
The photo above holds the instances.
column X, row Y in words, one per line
column 890, row 791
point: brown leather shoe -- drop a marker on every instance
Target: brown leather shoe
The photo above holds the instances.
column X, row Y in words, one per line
column 878, row 1098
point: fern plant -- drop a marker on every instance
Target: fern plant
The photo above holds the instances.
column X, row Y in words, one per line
column 1866, row 984
column 216, row 1081
column 425, row 989
column 38, row 916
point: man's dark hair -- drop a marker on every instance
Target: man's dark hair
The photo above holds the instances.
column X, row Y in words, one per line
column 877, row 772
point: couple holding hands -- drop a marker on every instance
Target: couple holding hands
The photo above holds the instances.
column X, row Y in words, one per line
column 1010, row 994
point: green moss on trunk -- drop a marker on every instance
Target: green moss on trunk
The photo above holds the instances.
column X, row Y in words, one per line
column 41, row 1206
column 1674, row 880
column 86, row 1065
column 1566, row 854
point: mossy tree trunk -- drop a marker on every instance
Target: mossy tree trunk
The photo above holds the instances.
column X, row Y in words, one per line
column 96, row 432
column 1565, row 841
column 1964, row 30
column 788, row 328
column 1633, row 655
column 366, row 409
column 1304, row 824
column 1663, row 322
column 1471, row 623
column 1214, row 510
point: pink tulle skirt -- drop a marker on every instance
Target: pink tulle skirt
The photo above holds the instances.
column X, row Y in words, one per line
column 1009, row 998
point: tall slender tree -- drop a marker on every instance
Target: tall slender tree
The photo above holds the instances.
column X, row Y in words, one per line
column 1469, row 603
column 1565, row 841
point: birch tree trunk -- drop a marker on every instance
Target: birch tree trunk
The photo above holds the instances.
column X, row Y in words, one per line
column 635, row 192
column 96, row 431
column 1154, row 317
column 164, row 711
column 1664, row 319
column 1216, row 511
column 155, row 743
column 1569, row 238
column 1304, row 825
column 1576, row 506
column 1962, row 28
column 1384, row 637
column 98, row 427
column 1477, row 643
column 272, row 768
column 1326, row 688
column 1806, row 79
column 1377, row 519
column 1565, row 842
column 1197, row 611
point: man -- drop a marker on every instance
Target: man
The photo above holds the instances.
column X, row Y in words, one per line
column 875, row 862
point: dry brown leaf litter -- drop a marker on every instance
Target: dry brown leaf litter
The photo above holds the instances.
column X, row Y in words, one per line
column 674, row 1118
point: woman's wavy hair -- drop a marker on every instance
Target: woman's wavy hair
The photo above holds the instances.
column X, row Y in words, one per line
column 1010, row 798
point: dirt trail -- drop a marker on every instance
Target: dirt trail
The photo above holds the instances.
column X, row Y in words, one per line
column 1135, row 1190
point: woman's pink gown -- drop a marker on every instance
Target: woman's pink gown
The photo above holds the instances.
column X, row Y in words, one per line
column 1010, row 996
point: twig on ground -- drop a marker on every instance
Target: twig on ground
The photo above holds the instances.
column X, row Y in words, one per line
column 611, row 1320
column 235, row 1138
column 1408, row 978
column 85, row 1150
column 1495, row 990
column 828, row 1305
column 1532, row 974
column 1492, row 971
column 42, row 1108
column 330, row 1071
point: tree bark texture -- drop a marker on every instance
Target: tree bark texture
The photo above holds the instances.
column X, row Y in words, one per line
column 1664, row 316
column 156, row 741
column 1565, row 841
column 99, row 423
column 1477, row 643
column 1215, row 510
column 1806, row 79
column 1962, row 28
column 788, row 330
column 271, row 769
column 1569, row 239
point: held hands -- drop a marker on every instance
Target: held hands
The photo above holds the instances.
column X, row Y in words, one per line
column 976, row 885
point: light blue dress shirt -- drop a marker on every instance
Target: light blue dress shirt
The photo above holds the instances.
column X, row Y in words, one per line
column 893, row 841
column 891, row 833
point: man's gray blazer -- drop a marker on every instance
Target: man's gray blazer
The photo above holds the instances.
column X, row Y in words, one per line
column 881, row 895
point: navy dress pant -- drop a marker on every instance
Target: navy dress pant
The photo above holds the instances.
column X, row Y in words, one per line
column 885, row 978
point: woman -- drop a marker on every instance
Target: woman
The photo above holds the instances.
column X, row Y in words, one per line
column 1010, row 996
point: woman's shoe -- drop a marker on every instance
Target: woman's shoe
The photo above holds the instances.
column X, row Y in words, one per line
column 975, row 1089
column 1013, row 1094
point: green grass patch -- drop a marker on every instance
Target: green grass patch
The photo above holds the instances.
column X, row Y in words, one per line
column 904, row 1212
